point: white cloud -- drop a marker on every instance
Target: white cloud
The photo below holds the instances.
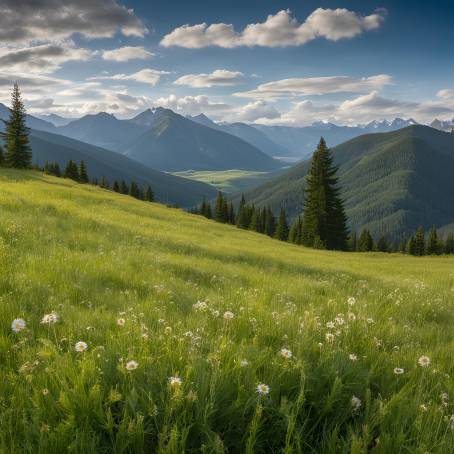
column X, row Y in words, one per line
column 146, row 76
column 279, row 30
column 25, row 21
column 45, row 58
column 316, row 86
column 252, row 112
column 127, row 53
column 446, row 94
column 218, row 78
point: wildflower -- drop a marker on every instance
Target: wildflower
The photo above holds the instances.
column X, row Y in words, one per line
column 228, row 315
column 189, row 334
column 286, row 353
column 339, row 320
column 423, row 361
column 50, row 319
column 370, row 321
column 18, row 324
column 121, row 322
column 244, row 363
column 355, row 403
column 351, row 316
column 398, row 371
column 423, row 407
column 168, row 329
column 263, row 389
column 351, row 301
column 80, row 346
column 353, row 357
column 175, row 382
column 330, row 325
column 45, row 392
column 329, row 337
column 200, row 306
column 132, row 365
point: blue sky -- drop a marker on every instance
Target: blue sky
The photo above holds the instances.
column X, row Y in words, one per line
column 266, row 61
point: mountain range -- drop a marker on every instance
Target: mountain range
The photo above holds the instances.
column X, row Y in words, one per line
column 391, row 182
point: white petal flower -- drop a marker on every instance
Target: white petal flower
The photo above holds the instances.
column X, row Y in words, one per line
column 263, row 389
column 80, row 346
column 18, row 324
column 132, row 365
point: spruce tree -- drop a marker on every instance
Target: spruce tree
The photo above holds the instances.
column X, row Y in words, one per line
column 420, row 242
column 365, row 241
column 324, row 215
column 411, row 246
column 282, row 227
column 353, row 242
column 2, row 156
column 124, row 189
column 244, row 216
column 209, row 212
column 256, row 220
column 220, row 213
column 18, row 150
column 231, row 214
column 134, row 189
column 71, row 171
column 149, row 194
column 270, row 223
column 432, row 242
column 449, row 244
column 104, row 183
column 383, row 244
column 295, row 234
column 83, row 176
column 116, row 186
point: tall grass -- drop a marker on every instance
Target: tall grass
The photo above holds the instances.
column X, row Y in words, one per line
column 141, row 282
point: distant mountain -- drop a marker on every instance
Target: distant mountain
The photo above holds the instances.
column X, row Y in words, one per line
column 173, row 143
column 55, row 119
column 246, row 132
column 32, row 122
column 301, row 141
column 391, row 182
column 441, row 125
column 102, row 130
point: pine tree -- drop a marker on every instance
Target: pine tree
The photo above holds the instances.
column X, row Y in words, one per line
column 295, row 234
column 18, row 150
column 256, row 220
column 208, row 211
column 324, row 214
column 116, row 186
column 83, row 177
column 432, row 242
column 231, row 214
column 71, row 171
column 411, row 246
column 134, row 189
column 124, row 189
column 383, row 244
column 449, row 244
column 244, row 216
column 353, row 242
column 270, row 223
column 420, row 242
column 149, row 194
column 2, row 156
column 220, row 213
column 282, row 227
column 104, row 183
column 365, row 241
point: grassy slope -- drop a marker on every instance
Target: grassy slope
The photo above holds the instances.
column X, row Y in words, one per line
column 95, row 256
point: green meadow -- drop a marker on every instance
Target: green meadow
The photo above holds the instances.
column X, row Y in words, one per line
column 229, row 181
column 141, row 328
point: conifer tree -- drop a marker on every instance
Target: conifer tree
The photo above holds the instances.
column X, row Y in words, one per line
column 18, row 150
column 134, row 189
column 420, row 242
column 353, row 242
column 411, row 246
column 149, row 194
column 83, row 177
column 432, row 242
column 295, row 234
column 116, row 186
column 2, row 156
column 231, row 214
column 256, row 220
column 124, row 189
column 104, row 183
column 449, row 244
column 365, row 241
column 282, row 227
column 220, row 213
column 383, row 244
column 71, row 171
column 324, row 215
column 209, row 212
column 244, row 216
column 270, row 223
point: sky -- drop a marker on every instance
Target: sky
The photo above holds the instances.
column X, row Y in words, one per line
column 274, row 62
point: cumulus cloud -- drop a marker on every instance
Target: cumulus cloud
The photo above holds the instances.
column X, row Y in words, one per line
column 279, row 30
column 218, row 78
column 127, row 53
column 446, row 94
column 362, row 109
column 316, row 86
column 146, row 76
column 44, row 58
column 55, row 20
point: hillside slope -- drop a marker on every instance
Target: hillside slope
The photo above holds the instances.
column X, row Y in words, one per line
column 166, row 324
column 391, row 182
column 114, row 166
column 175, row 143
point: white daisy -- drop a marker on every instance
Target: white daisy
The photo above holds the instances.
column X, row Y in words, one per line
column 286, row 353
column 80, row 346
column 18, row 324
column 398, row 370
column 228, row 315
column 424, row 361
column 175, row 381
column 263, row 389
column 132, row 365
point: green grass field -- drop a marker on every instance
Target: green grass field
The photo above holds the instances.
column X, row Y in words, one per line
column 229, row 181
column 156, row 293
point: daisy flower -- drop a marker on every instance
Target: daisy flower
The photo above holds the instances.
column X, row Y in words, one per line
column 286, row 353
column 263, row 389
column 398, row 370
column 121, row 322
column 18, row 324
column 228, row 315
column 353, row 357
column 355, row 403
column 424, row 361
column 351, row 301
column 50, row 319
column 80, row 346
column 175, row 382
column 132, row 365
